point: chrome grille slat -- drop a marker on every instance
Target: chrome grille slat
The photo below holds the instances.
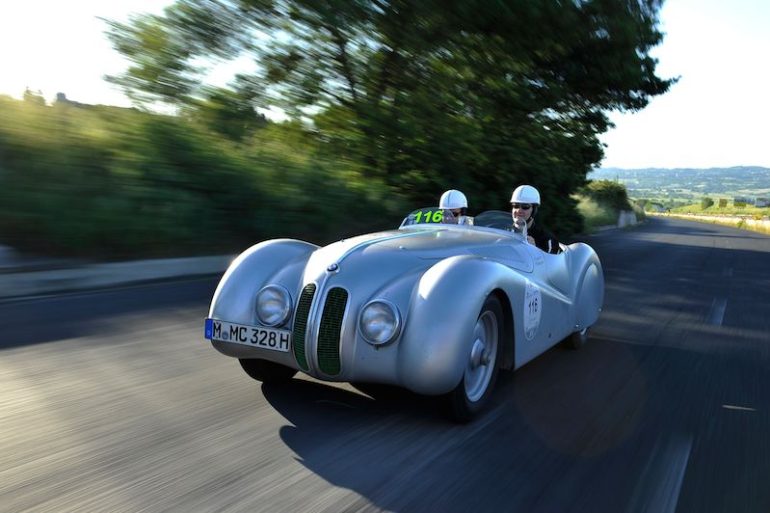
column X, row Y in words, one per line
column 300, row 325
column 328, row 350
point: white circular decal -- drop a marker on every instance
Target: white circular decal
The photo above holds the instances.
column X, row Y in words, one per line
column 533, row 305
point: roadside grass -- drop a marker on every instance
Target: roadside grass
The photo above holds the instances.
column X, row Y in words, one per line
column 751, row 223
column 715, row 210
column 746, row 218
column 594, row 214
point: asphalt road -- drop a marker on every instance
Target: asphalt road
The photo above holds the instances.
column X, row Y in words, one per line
column 112, row 401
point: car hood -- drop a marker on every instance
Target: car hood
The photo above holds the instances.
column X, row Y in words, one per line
column 391, row 253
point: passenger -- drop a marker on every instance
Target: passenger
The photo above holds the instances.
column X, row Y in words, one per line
column 454, row 201
column 525, row 201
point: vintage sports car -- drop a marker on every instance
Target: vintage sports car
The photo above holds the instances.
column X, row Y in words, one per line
column 436, row 306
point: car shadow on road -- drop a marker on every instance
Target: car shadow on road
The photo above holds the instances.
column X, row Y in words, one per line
column 556, row 417
column 305, row 400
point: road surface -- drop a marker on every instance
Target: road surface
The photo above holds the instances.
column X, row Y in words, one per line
column 112, row 401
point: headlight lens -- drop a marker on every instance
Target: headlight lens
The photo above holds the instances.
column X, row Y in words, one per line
column 379, row 322
column 273, row 305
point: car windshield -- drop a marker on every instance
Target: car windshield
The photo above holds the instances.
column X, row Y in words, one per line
column 434, row 215
column 498, row 219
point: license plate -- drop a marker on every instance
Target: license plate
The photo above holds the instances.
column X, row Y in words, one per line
column 254, row 336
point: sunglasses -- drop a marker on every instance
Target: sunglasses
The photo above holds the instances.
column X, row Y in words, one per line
column 522, row 206
column 456, row 213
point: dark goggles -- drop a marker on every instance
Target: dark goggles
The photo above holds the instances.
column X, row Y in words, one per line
column 522, row 206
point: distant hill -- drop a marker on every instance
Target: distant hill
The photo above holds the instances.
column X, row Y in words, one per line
column 690, row 184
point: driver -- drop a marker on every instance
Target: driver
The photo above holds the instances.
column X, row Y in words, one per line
column 525, row 201
column 454, row 201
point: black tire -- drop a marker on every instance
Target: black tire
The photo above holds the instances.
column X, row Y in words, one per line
column 472, row 394
column 265, row 371
column 577, row 339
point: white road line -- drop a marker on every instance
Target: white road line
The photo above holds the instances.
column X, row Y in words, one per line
column 671, row 486
column 661, row 482
column 739, row 408
column 717, row 312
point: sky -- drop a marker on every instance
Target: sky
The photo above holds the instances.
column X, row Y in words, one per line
column 717, row 115
column 57, row 46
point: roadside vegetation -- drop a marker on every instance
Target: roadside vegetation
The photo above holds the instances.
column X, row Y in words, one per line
column 716, row 211
column 754, row 223
column 595, row 215
column 115, row 183
column 112, row 183
column 391, row 103
column 600, row 203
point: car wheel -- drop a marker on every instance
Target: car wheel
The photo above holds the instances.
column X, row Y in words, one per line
column 475, row 388
column 266, row 372
column 577, row 340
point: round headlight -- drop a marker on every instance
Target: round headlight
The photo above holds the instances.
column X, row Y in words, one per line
column 273, row 305
column 379, row 322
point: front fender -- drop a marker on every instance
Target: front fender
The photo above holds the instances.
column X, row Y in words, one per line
column 444, row 307
column 234, row 298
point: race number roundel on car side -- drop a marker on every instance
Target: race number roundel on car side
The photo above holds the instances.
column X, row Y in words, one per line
column 533, row 305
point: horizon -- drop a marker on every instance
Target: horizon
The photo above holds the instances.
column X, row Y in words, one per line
column 714, row 168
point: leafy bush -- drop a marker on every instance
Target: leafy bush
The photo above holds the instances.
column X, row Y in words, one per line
column 595, row 214
column 608, row 193
column 116, row 183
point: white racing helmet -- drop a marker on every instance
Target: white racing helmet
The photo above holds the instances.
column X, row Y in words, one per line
column 525, row 194
column 453, row 199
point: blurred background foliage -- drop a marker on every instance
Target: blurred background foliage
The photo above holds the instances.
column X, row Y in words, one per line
column 392, row 102
column 110, row 183
column 609, row 193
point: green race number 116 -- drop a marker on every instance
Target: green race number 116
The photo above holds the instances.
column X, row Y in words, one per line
column 428, row 216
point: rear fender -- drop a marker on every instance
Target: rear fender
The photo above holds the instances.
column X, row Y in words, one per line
column 590, row 297
column 589, row 288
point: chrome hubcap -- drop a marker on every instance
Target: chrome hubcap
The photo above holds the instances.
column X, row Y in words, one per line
column 483, row 355
column 477, row 353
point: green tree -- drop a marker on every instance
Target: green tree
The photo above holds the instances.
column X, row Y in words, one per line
column 706, row 202
column 228, row 113
column 470, row 94
column 35, row 98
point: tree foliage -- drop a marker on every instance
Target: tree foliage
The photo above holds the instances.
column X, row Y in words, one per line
column 108, row 183
column 227, row 112
column 426, row 95
column 609, row 193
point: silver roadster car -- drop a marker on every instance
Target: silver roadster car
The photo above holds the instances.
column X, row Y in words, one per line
column 437, row 306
